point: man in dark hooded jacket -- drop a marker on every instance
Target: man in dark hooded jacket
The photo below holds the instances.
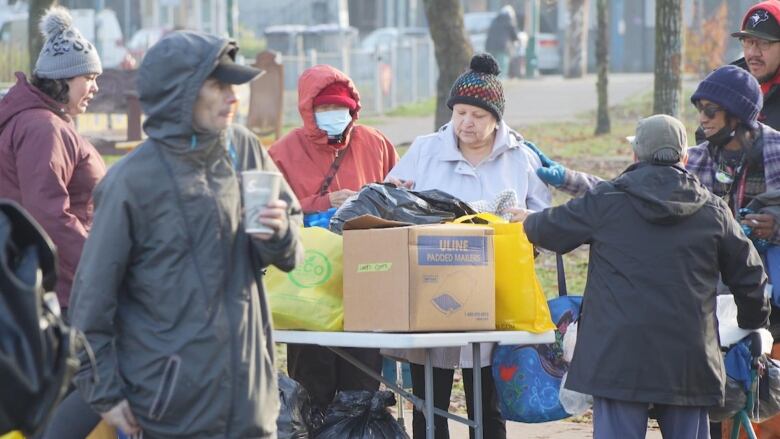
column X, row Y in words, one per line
column 659, row 241
column 168, row 291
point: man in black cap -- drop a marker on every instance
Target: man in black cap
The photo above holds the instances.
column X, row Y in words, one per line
column 168, row 290
column 759, row 36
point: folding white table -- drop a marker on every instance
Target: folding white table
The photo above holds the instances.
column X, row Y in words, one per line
column 337, row 340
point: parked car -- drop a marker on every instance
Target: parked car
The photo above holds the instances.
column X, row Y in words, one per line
column 476, row 25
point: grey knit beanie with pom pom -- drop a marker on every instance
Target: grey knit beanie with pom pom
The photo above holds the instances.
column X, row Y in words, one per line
column 65, row 53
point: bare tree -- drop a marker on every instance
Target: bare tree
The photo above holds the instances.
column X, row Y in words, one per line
column 576, row 48
column 453, row 49
column 668, row 57
column 34, row 37
column 602, row 64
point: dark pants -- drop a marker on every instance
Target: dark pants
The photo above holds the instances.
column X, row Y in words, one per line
column 494, row 424
column 72, row 418
column 613, row 419
column 322, row 373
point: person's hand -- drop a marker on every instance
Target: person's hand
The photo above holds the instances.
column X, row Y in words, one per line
column 406, row 184
column 551, row 172
column 274, row 216
column 518, row 214
column 122, row 418
column 762, row 224
column 339, row 197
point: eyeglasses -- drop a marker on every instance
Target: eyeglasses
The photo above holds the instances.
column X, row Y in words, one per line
column 710, row 111
column 761, row 45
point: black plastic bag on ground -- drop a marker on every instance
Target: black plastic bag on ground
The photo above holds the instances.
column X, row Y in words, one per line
column 398, row 204
column 735, row 401
column 769, row 391
column 294, row 411
column 361, row 415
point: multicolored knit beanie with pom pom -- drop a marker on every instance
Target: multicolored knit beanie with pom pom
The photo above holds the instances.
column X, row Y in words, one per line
column 480, row 86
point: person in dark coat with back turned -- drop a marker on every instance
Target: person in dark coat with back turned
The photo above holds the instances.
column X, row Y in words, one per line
column 502, row 37
column 168, row 290
column 659, row 241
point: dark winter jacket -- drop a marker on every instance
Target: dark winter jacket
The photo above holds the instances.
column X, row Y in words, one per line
column 501, row 33
column 48, row 168
column 167, row 291
column 659, row 241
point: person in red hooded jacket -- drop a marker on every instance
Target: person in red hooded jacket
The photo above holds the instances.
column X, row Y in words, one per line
column 326, row 161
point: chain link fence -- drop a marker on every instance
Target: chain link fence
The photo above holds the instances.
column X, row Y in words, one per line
column 13, row 58
column 387, row 77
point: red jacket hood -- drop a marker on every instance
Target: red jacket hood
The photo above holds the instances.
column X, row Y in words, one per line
column 24, row 96
column 311, row 82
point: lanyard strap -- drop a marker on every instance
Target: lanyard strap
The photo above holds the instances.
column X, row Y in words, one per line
column 562, row 290
column 740, row 196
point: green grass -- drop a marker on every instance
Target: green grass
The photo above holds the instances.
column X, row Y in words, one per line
column 418, row 109
column 110, row 159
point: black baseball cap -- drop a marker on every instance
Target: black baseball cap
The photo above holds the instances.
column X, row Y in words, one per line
column 759, row 23
column 230, row 72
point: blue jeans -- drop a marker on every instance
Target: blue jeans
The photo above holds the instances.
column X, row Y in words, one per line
column 613, row 419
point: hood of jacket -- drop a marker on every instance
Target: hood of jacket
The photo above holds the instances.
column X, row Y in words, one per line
column 169, row 80
column 24, row 96
column 310, row 84
column 662, row 194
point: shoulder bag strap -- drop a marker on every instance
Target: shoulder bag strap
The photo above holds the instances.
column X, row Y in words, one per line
column 562, row 290
column 334, row 168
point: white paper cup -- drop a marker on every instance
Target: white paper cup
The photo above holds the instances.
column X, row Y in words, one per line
column 259, row 189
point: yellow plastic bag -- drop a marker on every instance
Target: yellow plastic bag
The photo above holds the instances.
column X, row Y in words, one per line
column 12, row 435
column 310, row 297
column 520, row 301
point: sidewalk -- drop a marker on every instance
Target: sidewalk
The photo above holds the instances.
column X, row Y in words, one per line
column 547, row 430
column 530, row 101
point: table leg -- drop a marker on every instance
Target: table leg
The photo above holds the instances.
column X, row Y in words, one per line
column 477, row 372
column 429, row 414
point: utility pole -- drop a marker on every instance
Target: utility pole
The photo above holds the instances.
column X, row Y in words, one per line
column 229, row 14
column 532, row 62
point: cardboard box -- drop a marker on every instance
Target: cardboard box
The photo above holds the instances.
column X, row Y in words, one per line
column 401, row 278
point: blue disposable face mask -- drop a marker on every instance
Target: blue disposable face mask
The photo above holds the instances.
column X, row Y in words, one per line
column 333, row 122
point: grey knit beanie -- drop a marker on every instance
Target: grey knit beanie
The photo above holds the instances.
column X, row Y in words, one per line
column 65, row 53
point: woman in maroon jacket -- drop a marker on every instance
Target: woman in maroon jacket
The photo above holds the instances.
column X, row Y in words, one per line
column 45, row 165
column 48, row 168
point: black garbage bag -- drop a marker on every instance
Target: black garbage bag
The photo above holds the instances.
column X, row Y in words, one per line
column 361, row 415
column 387, row 201
column 37, row 356
column 735, row 400
column 295, row 410
column 769, row 391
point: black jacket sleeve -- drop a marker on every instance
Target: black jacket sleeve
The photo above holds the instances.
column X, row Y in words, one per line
column 564, row 228
column 742, row 272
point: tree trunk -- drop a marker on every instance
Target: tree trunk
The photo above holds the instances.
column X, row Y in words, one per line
column 34, row 37
column 602, row 63
column 575, row 59
column 668, row 57
column 453, row 50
